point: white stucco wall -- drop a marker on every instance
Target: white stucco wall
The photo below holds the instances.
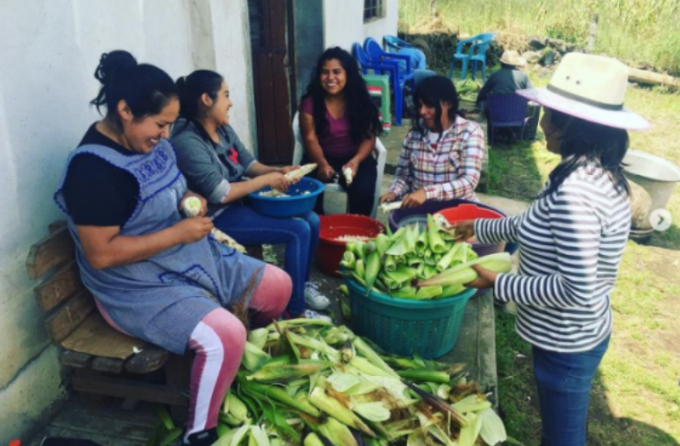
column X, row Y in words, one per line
column 344, row 23
column 49, row 54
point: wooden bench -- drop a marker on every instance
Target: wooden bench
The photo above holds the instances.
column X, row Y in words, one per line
column 102, row 360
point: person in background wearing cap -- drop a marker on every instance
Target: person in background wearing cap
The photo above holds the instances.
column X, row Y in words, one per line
column 571, row 239
column 507, row 80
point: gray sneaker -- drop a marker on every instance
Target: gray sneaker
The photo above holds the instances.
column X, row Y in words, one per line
column 314, row 298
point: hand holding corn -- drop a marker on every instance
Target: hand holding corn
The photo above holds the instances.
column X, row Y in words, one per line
column 462, row 230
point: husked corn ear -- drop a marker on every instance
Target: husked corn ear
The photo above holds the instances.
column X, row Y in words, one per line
column 191, row 207
column 301, row 172
column 349, row 175
column 388, row 207
column 225, row 239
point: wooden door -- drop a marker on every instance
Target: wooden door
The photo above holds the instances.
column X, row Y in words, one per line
column 272, row 77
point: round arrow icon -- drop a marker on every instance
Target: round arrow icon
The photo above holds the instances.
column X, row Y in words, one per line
column 660, row 219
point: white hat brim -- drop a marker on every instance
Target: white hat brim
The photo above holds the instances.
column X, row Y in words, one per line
column 621, row 119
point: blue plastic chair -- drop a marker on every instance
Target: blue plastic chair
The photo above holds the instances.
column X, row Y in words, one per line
column 402, row 75
column 506, row 110
column 477, row 54
column 393, row 44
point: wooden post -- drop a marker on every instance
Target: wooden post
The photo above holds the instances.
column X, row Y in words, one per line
column 433, row 9
column 590, row 46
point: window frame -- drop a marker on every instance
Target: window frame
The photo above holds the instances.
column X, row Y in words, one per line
column 374, row 10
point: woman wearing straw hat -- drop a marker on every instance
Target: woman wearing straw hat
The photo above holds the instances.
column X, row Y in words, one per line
column 571, row 239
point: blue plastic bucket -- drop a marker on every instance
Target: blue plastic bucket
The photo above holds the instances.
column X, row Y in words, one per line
column 301, row 200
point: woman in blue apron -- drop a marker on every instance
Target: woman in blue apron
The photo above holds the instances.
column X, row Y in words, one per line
column 218, row 166
column 155, row 275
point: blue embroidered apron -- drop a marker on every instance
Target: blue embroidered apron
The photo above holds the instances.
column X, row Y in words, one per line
column 163, row 298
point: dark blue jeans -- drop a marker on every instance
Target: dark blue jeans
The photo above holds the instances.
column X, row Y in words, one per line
column 300, row 235
column 564, row 381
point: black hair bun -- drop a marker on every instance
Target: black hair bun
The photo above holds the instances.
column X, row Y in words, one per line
column 113, row 63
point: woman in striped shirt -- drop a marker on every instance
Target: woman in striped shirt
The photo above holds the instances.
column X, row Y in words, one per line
column 571, row 239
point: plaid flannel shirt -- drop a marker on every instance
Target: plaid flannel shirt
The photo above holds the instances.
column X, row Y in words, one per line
column 449, row 170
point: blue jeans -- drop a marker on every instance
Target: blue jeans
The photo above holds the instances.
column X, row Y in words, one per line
column 564, row 381
column 300, row 235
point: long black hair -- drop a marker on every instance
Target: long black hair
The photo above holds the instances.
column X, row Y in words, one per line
column 191, row 88
column 364, row 121
column 145, row 88
column 432, row 91
column 586, row 142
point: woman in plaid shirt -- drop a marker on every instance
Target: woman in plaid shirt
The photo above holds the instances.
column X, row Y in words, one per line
column 441, row 158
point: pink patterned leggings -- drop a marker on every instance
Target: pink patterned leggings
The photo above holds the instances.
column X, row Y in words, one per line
column 218, row 342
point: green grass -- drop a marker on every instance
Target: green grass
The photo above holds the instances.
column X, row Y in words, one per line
column 641, row 32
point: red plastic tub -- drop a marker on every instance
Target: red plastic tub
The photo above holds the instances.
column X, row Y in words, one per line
column 473, row 212
column 330, row 250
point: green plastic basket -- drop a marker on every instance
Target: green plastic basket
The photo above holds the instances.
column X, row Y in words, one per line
column 403, row 327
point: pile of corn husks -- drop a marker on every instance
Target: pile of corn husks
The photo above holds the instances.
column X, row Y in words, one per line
column 415, row 263
column 308, row 382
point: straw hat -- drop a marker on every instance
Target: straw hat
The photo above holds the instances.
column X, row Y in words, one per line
column 512, row 57
column 591, row 88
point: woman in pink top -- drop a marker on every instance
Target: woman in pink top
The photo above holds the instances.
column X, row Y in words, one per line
column 339, row 123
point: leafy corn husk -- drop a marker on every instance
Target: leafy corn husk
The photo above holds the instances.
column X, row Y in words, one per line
column 283, row 372
column 492, row 430
column 327, row 403
column 437, row 244
column 357, row 398
column 462, row 274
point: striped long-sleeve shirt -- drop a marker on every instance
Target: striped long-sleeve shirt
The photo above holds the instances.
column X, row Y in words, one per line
column 571, row 243
column 446, row 170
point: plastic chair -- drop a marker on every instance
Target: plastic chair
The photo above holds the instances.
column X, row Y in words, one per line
column 477, row 54
column 506, row 110
column 401, row 75
column 393, row 44
column 379, row 150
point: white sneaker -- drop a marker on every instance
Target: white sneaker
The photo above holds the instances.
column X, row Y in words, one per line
column 313, row 297
column 311, row 314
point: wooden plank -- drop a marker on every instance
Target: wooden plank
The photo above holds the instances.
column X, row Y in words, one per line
column 64, row 284
column 108, row 365
column 151, row 358
column 70, row 316
column 55, row 226
column 122, row 388
column 649, row 77
column 96, row 337
column 77, row 360
column 54, row 250
column 82, row 432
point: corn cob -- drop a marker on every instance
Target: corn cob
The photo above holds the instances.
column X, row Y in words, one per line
column 312, row 440
column 349, row 175
column 301, row 172
column 337, row 432
column 386, row 208
column 330, row 405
